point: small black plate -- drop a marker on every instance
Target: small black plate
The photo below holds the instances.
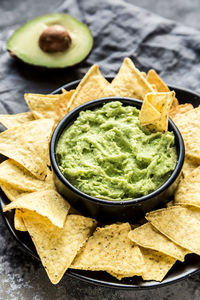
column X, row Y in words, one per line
column 179, row 271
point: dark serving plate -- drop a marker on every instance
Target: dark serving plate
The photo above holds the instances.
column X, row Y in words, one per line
column 179, row 270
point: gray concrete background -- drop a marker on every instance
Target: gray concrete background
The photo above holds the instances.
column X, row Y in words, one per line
column 23, row 278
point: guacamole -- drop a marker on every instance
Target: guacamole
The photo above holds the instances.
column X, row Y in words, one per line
column 107, row 154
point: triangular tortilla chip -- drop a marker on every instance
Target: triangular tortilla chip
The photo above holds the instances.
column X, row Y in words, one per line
column 157, row 265
column 43, row 106
column 189, row 125
column 154, row 78
column 11, row 193
column 130, row 82
column 18, row 177
column 92, row 86
column 148, row 237
column 160, row 100
column 189, row 166
column 11, row 121
column 28, row 145
column 179, row 224
column 188, row 190
column 148, row 113
column 48, row 106
column 58, row 247
column 162, row 103
column 180, row 109
column 109, row 249
column 47, row 203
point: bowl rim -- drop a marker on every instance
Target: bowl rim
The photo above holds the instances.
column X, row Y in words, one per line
column 74, row 113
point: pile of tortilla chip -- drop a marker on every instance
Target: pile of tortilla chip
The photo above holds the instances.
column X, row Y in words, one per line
column 62, row 236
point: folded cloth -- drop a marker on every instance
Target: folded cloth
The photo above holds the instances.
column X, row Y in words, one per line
column 120, row 29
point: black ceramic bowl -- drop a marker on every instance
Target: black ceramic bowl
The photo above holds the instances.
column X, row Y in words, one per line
column 124, row 210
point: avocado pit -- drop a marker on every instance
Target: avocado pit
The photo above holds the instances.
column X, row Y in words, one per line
column 54, row 38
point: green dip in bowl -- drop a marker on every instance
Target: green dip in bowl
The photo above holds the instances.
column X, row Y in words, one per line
column 107, row 154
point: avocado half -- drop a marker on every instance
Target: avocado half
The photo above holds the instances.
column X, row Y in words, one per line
column 24, row 43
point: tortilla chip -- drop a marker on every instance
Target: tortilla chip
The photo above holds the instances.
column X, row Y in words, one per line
column 148, row 237
column 11, row 193
column 47, row 203
column 109, row 249
column 18, row 178
column 92, row 86
column 48, row 106
column 154, row 78
column 64, row 101
column 188, row 166
column 11, row 121
column 28, row 145
column 129, row 82
column 161, row 102
column 179, row 224
column 18, row 221
column 42, row 106
column 148, row 113
column 157, row 264
column 180, row 109
column 189, row 126
column 58, row 247
column 188, row 190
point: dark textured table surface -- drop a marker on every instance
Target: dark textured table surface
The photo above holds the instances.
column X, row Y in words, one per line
column 20, row 276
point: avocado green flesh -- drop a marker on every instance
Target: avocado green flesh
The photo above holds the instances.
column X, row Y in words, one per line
column 106, row 153
column 24, row 42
